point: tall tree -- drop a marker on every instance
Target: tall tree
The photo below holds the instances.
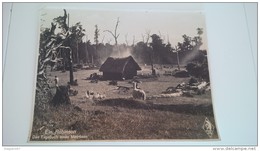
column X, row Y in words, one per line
column 50, row 44
column 156, row 45
column 115, row 35
column 77, row 33
column 177, row 55
column 67, row 37
column 96, row 35
column 62, row 22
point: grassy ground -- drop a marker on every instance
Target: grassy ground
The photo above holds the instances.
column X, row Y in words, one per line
column 121, row 117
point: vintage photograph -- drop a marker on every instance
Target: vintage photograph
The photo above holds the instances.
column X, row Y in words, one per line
column 122, row 75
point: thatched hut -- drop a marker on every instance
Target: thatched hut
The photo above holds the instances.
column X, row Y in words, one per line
column 119, row 68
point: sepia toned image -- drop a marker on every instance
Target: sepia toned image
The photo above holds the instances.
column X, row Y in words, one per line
column 122, row 75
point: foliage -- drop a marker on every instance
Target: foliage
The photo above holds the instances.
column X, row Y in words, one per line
column 142, row 52
column 77, row 33
column 161, row 52
column 199, row 67
column 53, row 43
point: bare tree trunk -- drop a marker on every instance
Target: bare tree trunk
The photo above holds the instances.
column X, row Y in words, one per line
column 64, row 61
column 77, row 52
column 115, row 35
column 151, row 59
column 71, row 68
column 70, row 57
column 178, row 59
column 133, row 40
column 86, row 49
column 126, row 41
column 151, row 54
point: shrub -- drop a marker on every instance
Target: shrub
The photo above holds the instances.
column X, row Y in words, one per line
column 199, row 70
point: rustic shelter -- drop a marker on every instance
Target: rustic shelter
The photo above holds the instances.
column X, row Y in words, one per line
column 119, row 68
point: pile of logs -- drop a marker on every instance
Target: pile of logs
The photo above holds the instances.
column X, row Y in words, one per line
column 194, row 87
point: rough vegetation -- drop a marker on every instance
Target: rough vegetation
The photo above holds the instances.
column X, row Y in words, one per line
column 118, row 116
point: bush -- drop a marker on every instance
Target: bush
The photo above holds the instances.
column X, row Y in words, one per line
column 182, row 74
column 199, row 70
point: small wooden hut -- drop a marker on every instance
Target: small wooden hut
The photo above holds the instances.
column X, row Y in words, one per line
column 119, row 68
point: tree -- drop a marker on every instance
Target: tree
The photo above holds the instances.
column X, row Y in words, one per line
column 50, row 45
column 177, row 55
column 77, row 33
column 67, row 37
column 96, row 39
column 187, row 43
column 147, row 36
column 133, row 40
column 115, row 34
column 157, row 46
column 126, row 41
column 62, row 21
column 197, row 39
column 142, row 53
column 200, row 31
column 96, row 35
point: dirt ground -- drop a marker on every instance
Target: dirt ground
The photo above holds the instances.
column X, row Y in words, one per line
column 119, row 117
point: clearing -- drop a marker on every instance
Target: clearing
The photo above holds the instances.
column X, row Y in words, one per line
column 119, row 117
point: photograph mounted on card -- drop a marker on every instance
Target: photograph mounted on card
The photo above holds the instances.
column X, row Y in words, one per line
column 122, row 75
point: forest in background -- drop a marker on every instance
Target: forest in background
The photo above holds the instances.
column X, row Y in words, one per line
column 153, row 49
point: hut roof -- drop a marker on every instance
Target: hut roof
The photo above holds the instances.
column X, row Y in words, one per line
column 117, row 65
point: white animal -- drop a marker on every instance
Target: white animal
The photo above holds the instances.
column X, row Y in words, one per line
column 102, row 96
column 98, row 96
column 89, row 95
column 138, row 93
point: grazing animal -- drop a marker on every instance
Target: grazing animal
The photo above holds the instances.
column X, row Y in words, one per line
column 138, row 93
column 89, row 94
column 98, row 96
column 88, row 97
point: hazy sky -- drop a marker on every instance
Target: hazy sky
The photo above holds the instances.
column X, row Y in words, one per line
column 133, row 23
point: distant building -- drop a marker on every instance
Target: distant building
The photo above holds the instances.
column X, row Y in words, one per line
column 119, row 68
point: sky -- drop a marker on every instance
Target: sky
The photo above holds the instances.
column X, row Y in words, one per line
column 171, row 25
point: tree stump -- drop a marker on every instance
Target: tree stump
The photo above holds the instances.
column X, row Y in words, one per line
column 61, row 96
